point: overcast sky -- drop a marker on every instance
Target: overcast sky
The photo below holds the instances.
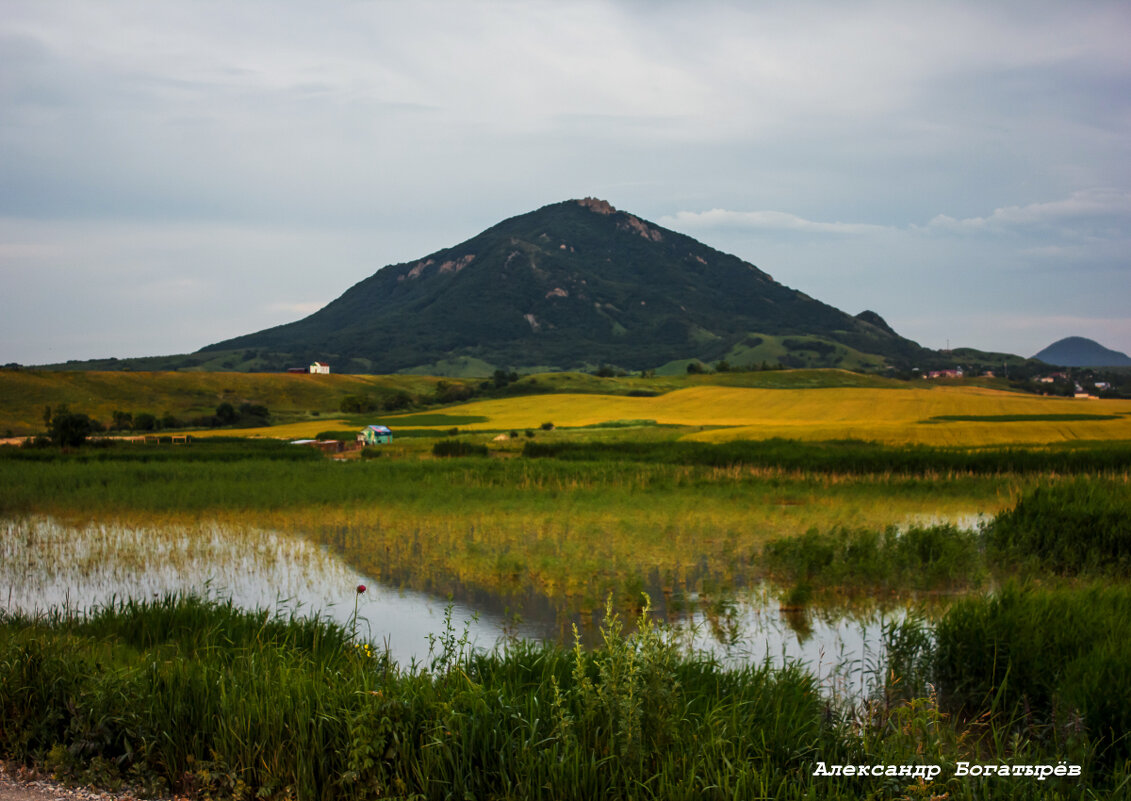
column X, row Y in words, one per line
column 176, row 173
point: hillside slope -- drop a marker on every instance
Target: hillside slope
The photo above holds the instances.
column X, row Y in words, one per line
column 573, row 284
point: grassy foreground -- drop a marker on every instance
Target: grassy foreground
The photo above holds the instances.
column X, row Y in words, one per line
column 195, row 696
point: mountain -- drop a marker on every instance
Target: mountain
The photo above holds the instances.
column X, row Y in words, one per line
column 576, row 284
column 1082, row 352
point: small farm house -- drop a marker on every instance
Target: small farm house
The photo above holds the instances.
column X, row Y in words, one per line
column 375, row 435
column 320, row 368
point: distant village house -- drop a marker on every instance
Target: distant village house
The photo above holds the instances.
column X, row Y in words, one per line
column 320, row 368
column 375, row 435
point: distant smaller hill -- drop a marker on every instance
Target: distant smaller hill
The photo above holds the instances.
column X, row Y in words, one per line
column 1082, row 352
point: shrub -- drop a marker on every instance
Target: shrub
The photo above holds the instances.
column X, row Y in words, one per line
column 357, row 404
column 70, row 429
column 225, row 414
column 458, row 447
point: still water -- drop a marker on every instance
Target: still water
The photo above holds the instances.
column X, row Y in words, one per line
column 45, row 563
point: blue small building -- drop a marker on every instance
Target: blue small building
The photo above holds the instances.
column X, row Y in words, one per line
column 375, row 435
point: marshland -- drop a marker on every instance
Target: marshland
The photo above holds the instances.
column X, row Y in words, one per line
column 659, row 616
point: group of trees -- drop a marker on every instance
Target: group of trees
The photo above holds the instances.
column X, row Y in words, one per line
column 723, row 366
column 446, row 392
column 70, row 429
column 361, row 404
column 246, row 415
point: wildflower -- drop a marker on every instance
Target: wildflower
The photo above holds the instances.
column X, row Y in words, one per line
column 360, row 589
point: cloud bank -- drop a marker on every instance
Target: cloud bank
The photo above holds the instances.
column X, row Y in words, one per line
column 251, row 159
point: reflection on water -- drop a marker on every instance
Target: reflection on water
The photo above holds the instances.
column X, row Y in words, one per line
column 965, row 522
column 843, row 647
column 45, row 563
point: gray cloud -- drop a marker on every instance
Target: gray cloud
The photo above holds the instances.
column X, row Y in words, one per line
column 273, row 153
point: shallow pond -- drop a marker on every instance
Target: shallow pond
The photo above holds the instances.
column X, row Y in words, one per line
column 45, row 563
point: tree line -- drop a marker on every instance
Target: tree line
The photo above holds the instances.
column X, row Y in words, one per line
column 70, row 429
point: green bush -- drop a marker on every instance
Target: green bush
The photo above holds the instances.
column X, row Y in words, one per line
column 458, row 447
column 343, row 435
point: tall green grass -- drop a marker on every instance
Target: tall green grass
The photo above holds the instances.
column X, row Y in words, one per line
column 210, row 449
column 1056, row 663
column 848, row 456
column 191, row 695
column 918, row 558
column 1068, row 528
column 186, row 695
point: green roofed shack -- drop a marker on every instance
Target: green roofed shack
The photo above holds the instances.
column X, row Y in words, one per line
column 375, row 435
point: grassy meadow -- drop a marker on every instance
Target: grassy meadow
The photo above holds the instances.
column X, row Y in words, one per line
column 1002, row 514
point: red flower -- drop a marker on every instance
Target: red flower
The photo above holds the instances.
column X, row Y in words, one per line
column 360, row 589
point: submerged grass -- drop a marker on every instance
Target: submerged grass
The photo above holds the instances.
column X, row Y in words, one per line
column 522, row 530
column 563, row 531
column 185, row 694
column 919, row 558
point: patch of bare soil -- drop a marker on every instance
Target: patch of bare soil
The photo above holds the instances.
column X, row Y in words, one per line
column 21, row 784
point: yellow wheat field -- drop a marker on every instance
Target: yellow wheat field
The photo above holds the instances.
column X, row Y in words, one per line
column 896, row 416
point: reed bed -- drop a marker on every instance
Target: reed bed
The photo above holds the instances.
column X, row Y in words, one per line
column 1070, row 528
column 852, row 457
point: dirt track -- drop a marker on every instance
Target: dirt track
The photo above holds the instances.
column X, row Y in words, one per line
column 17, row 784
